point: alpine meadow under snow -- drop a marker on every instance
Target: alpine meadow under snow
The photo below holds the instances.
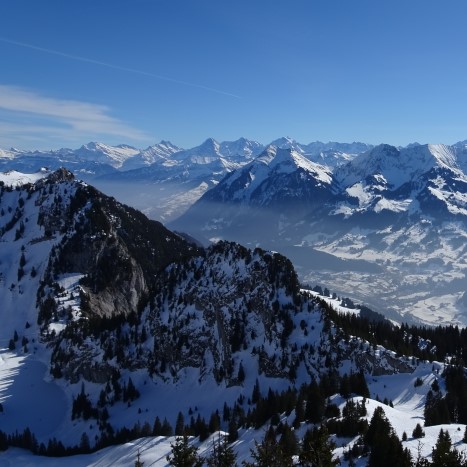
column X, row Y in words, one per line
column 119, row 336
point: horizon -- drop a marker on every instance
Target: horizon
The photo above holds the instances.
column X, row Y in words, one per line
column 142, row 148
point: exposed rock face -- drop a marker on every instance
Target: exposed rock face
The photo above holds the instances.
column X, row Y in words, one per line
column 384, row 364
column 117, row 249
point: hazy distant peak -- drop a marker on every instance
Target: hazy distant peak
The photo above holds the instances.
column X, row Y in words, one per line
column 287, row 142
column 398, row 165
column 284, row 141
column 241, row 148
column 210, row 144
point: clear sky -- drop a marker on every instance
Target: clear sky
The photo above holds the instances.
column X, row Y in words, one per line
column 138, row 71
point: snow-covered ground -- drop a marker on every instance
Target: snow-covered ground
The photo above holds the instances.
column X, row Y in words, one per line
column 407, row 399
column 14, row 178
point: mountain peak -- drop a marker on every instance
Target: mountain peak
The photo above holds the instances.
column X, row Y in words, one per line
column 211, row 144
column 287, row 142
column 92, row 146
column 284, row 141
column 397, row 166
column 240, row 150
column 288, row 160
column 60, row 175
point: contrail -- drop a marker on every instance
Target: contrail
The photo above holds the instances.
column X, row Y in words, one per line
column 117, row 67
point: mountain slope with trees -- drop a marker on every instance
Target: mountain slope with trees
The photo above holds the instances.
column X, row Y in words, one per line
column 126, row 330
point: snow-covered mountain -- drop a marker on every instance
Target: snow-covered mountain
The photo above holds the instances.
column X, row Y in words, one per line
column 120, row 327
column 102, row 153
column 242, row 149
column 75, row 261
column 392, row 214
column 177, row 180
column 265, row 181
column 15, row 178
column 93, row 292
column 152, row 154
column 135, row 176
column 88, row 161
column 267, row 186
column 331, row 154
column 398, row 166
column 395, row 215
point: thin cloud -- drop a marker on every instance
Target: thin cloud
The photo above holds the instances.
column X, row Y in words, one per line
column 28, row 112
column 117, row 67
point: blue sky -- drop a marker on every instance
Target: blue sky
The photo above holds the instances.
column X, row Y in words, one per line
column 139, row 71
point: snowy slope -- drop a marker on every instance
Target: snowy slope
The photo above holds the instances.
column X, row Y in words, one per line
column 158, row 152
column 331, row 154
column 397, row 166
column 270, row 178
column 407, row 411
column 102, row 153
column 14, row 178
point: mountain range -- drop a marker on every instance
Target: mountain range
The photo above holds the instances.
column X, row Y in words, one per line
column 116, row 330
column 124, row 158
column 163, row 180
column 352, row 215
column 391, row 218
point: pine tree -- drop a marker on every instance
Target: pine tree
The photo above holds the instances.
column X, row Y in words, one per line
column 418, row 431
column 130, row 393
column 344, row 387
column 317, row 449
column 436, row 410
column 233, row 430
column 179, row 424
column 201, row 428
column 157, row 427
column 222, row 454
column 386, row 448
column 288, row 441
column 256, row 394
column 268, row 453
column 315, row 404
column 214, row 422
column 167, row 429
column 299, row 411
column 184, row 455
column 3, row 441
column 358, row 384
column 241, row 373
column 443, row 454
column 84, row 445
